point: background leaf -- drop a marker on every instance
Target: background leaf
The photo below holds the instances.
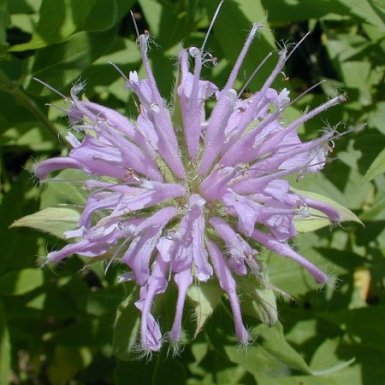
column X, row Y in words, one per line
column 58, row 20
column 53, row 220
column 20, row 282
column 317, row 219
column 5, row 349
column 377, row 167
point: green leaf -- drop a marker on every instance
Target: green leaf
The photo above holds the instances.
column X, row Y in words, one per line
column 364, row 324
column 14, row 115
column 5, row 349
column 153, row 12
column 66, row 362
column 376, row 117
column 205, row 297
column 4, row 22
column 351, row 376
column 105, row 300
column 375, row 211
column 86, row 331
column 25, row 135
column 377, row 167
column 294, row 10
column 275, row 343
column 199, row 351
column 230, row 375
column 355, row 191
column 126, row 329
column 317, row 219
column 283, row 11
column 356, row 74
column 289, row 276
column 124, row 6
column 18, row 248
column 372, row 11
column 330, row 369
column 325, row 360
column 169, row 25
column 160, row 19
column 159, row 370
column 235, row 19
column 257, row 361
column 270, row 357
column 103, row 15
column 20, row 282
column 260, row 299
column 58, row 20
column 254, row 12
column 61, row 64
column 54, row 220
column 64, row 189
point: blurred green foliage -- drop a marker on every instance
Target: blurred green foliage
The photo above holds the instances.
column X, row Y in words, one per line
column 67, row 326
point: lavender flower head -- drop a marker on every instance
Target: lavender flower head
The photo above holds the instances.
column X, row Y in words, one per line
column 181, row 197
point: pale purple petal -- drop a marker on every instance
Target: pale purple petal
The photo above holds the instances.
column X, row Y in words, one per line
column 149, row 195
column 331, row 212
column 158, row 113
column 42, row 169
column 97, row 113
column 150, row 334
column 244, row 208
column 215, row 184
column 215, row 135
column 140, row 251
column 227, row 283
column 192, row 93
column 189, row 249
column 183, row 281
column 285, row 250
column 239, row 250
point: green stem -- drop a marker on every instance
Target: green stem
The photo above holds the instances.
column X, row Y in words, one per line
column 10, row 87
column 156, row 370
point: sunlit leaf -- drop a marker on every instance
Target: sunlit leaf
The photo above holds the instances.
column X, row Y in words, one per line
column 231, row 27
column 66, row 362
column 260, row 301
column 53, row 220
column 372, row 11
column 64, row 189
column 274, row 342
column 377, row 117
column 377, row 167
column 205, row 298
column 317, row 219
column 325, row 360
column 21, row 281
column 375, row 211
column 348, row 376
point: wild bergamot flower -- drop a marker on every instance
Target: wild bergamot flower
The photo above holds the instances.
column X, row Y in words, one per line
column 176, row 195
